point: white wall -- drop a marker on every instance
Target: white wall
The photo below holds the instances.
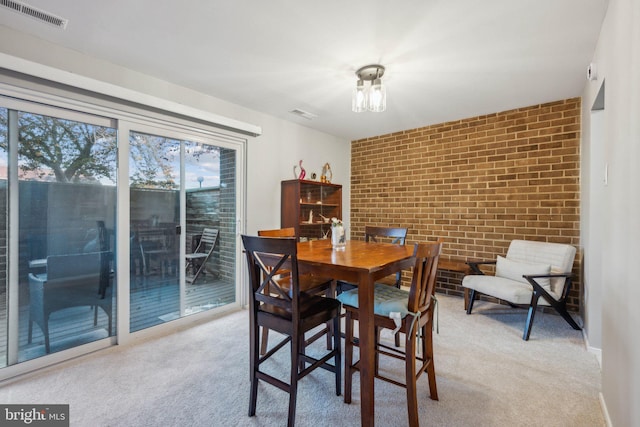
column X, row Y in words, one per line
column 618, row 60
column 270, row 157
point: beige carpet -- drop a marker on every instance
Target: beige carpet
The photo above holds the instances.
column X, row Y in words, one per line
column 487, row 376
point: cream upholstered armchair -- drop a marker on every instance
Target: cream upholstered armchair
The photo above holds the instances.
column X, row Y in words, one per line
column 531, row 274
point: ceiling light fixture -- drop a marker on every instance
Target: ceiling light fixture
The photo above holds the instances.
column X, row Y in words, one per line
column 373, row 98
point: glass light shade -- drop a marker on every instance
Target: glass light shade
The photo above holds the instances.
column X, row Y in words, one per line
column 359, row 98
column 377, row 97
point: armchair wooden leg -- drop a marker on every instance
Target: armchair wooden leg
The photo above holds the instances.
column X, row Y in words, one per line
column 530, row 316
column 561, row 309
column 472, row 298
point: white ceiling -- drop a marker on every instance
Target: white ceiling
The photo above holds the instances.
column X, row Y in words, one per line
column 445, row 59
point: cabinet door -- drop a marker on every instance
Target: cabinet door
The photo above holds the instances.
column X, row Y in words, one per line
column 308, row 206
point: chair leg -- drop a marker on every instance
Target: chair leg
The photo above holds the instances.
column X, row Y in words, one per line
column 30, row 336
column 530, row 316
column 330, row 293
column 338, row 355
column 561, row 309
column 47, row 344
column 472, row 298
column 410, row 367
column 427, row 354
column 301, row 350
column 377, row 355
column 297, row 343
column 253, row 366
column 348, row 357
column 265, row 341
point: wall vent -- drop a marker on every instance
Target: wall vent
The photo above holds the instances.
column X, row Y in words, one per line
column 307, row 115
column 35, row 13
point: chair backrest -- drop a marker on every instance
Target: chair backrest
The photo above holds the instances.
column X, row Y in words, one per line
column 423, row 282
column 207, row 240
column 395, row 235
column 62, row 267
column 75, row 270
column 266, row 256
column 209, row 236
column 278, row 232
column 556, row 255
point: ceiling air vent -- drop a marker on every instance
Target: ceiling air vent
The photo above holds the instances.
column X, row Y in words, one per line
column 34, row 12
column 307, row 115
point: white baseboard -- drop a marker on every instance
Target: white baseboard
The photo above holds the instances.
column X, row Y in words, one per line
column 593, row 350
column 605, row 412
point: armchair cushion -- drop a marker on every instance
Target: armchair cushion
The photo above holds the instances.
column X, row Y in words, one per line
column 514, row 291
column 514, row 270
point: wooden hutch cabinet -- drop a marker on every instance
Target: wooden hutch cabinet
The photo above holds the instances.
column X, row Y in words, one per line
column 303, row 204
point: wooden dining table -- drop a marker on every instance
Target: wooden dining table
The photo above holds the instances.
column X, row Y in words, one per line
column 361, row 263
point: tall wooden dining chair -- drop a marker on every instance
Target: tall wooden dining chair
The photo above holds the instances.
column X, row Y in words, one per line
column 288, row 311
column 308, row 284
column 395, row 235
column 410, row 312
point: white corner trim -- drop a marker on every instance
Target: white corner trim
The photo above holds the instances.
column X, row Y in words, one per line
column 68, row 78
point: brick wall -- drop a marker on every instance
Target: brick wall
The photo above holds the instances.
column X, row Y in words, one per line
column 227, row 213
column 478, row 182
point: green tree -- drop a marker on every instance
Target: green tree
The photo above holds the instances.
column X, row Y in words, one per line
column 64, row 150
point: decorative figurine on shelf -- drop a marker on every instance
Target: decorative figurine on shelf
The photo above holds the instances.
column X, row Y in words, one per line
column 326, row 169
column 338, row 234
column 310, row 217
column 303, row 172
column 313, row 176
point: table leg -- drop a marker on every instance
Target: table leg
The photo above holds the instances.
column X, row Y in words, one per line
column 367, row 351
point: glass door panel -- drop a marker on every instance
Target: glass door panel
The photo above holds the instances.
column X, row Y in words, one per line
column 177, row 198
column 154, row 177
column 4, row 167
column 210, row 226
column 66, row 196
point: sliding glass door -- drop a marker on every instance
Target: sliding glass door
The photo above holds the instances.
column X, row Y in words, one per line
column 59, row 187
column 110, row 224
column 182, row 228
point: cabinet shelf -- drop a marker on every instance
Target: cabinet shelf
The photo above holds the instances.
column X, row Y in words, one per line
column 301, row 199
